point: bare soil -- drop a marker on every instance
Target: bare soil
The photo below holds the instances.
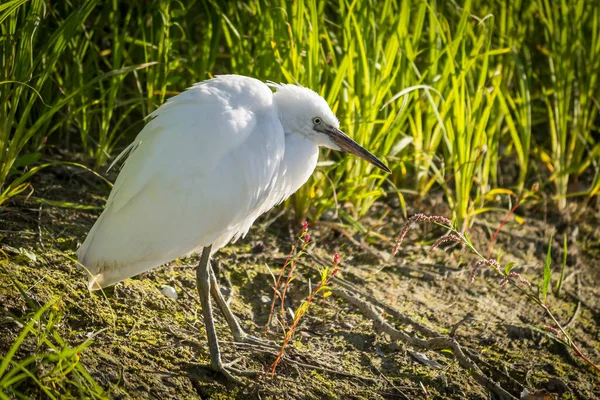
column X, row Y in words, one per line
column 146, row 345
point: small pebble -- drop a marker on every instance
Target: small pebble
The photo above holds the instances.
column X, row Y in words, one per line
column 346, row 325
column 265, row 299
column 168, row 291
column 328, row 215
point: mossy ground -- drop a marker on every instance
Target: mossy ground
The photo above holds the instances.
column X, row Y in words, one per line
column 145, row 345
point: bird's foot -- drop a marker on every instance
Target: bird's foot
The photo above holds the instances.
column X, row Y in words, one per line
column 243, row 337
column 229, row 371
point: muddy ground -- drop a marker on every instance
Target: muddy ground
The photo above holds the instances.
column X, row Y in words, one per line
column 142, row 344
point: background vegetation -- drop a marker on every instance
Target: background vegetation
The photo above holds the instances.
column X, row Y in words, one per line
column 477, row 98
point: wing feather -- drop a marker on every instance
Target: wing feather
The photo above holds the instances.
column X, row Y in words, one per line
column 200, row 167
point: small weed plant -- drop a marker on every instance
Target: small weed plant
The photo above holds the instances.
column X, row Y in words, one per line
column 280, row 290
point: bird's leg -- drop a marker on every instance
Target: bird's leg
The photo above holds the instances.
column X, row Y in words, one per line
column 203, row 282
column 236, row 330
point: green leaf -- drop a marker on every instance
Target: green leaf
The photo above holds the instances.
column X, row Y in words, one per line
column 466, row 235
column 547, row 271
column 508, row 267
column 26, row 160
column 562, row 268
column 68, row 204
column 21, row 252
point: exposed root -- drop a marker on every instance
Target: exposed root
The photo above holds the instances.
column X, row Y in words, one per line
column 435, row 343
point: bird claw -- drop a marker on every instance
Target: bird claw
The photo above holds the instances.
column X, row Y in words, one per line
column 228, row 371
column 256, row 341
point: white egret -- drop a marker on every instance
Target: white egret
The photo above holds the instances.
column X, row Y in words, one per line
column 209, row 162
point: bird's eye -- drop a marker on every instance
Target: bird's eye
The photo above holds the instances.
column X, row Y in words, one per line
column 317, row 121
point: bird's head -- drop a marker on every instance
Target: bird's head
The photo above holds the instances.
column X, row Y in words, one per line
column 304, row 111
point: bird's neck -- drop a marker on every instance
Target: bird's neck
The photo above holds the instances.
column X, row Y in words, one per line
column 299, row 161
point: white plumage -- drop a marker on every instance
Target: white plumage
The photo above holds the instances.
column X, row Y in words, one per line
column 211, row 160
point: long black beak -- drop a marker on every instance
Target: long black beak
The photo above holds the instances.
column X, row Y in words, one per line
column 345, row 143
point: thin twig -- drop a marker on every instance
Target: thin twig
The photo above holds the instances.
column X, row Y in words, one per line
column 574, row 317
column 389, row 382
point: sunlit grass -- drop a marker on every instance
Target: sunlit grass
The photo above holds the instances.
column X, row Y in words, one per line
column 445, row 93
column 570, row 89
column 55, row 368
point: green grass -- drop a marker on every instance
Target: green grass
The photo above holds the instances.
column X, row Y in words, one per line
column 55, row 367
column 570, row 90
column 448, row 93
column 35, row 100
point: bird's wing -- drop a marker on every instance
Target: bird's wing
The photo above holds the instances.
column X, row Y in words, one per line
column 200, row 167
